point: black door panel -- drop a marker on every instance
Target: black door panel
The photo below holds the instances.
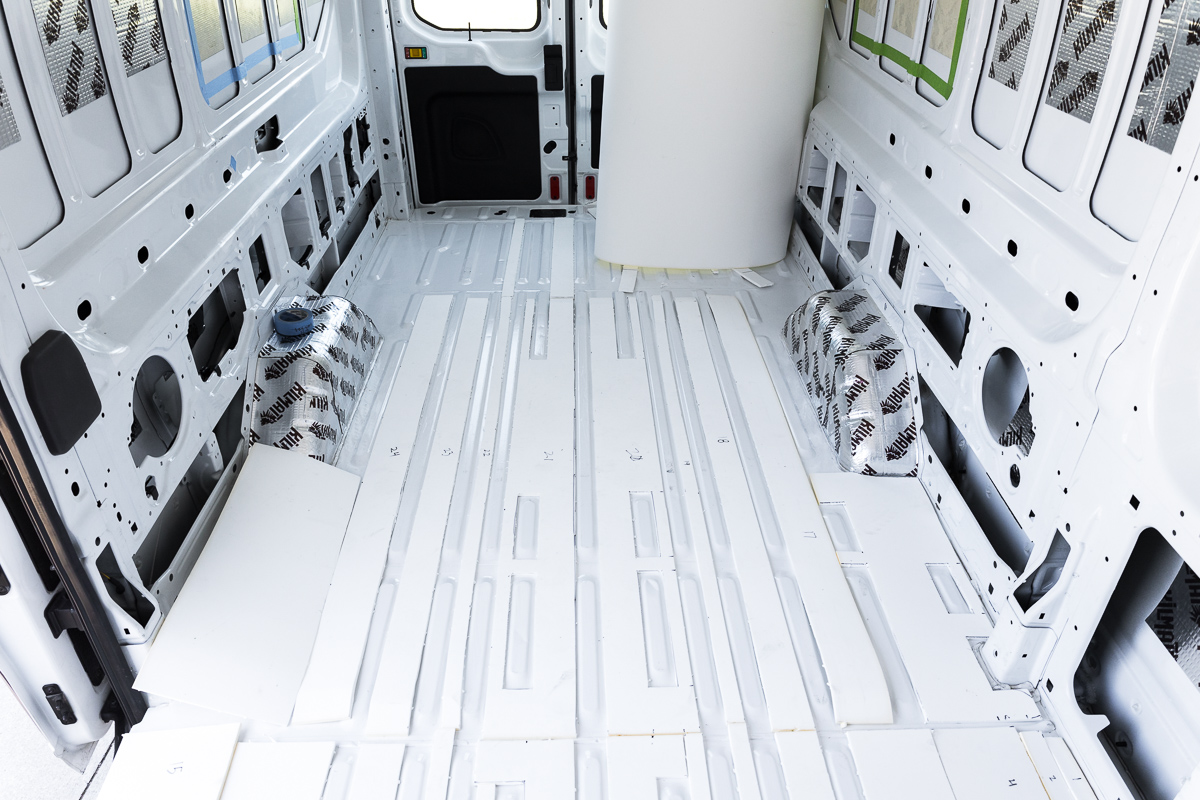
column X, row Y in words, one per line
column 475, row 134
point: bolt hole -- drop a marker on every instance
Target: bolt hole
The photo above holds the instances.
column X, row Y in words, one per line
column 1072, row 301
column 1012, row 248
column 1014, row 475
column 189, row 211
column 143, row 254
column 85, row 310
column 928, row 171
column 966, row 206
column 892, row 138
column 152, row 488
column 75, row 489
column 227, row 176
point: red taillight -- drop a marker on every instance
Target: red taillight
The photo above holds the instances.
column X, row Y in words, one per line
column 589, row 187
column 554, row 191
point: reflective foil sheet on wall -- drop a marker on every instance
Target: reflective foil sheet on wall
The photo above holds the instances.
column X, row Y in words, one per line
column 306, row 388
column 1081, row 56
column 1013, row 30
column 854, row 369
column 9, row 133
column 72, row 52
column 1170, row 76
column 140, row 34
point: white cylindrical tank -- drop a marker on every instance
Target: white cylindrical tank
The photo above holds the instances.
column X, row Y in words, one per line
column 705, row 105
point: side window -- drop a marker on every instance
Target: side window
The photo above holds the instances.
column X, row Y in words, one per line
column 1081, row 55
column 481, row 15
column 997, row 99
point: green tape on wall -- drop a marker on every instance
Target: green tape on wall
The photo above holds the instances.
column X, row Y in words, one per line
column 948, row 21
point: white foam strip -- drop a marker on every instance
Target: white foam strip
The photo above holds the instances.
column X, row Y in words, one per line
column 451, row 709
column 629, row 277
column 562, row 265
column 639, row 766
column 754, row 279
column 514, row 258
column 856, row 681
column 804, row 765
column 697, row 767
column 786, row 701
column 901, row 537
column 376, row 772
column 278, row 771
column 900, row 765
column 717, row 637
column 988, row 764
column 646, row 669
column 1061, row 776
column 392, row 699
column 188, row 763
column 541, row 464
column 327, row 694
column 545, row 768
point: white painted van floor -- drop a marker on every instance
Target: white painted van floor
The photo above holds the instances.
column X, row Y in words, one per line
column 625, row 564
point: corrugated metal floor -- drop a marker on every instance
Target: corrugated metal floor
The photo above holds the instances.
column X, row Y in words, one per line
column 625, row 564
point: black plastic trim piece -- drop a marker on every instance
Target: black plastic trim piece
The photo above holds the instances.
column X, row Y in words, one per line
column 552, row 56
column 59, row 704
column 37, row 506
column 597, row 113
column 60, row 390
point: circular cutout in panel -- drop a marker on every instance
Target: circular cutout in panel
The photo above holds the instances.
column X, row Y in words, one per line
column 157, row 409
column 1006, row 400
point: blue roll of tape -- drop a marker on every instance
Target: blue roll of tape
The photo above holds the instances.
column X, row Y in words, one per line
column 293, row 321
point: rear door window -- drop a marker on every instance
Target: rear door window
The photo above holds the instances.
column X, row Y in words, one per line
column 479, row 15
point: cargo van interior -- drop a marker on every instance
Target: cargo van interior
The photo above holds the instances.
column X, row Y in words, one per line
column 527, row 399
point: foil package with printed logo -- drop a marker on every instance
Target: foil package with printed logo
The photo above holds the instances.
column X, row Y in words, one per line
column 854, row 369
column 306, row 388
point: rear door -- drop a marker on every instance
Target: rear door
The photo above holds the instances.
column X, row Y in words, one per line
column 487, row 99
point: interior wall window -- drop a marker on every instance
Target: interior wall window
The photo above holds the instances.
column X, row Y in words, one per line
column 257, row 60
column 315, row 9
column 837, row 10
column 482, row 15
column 214, row 56
column 290, row 40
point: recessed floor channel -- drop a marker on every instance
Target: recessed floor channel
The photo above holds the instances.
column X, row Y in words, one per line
column 623, row 563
